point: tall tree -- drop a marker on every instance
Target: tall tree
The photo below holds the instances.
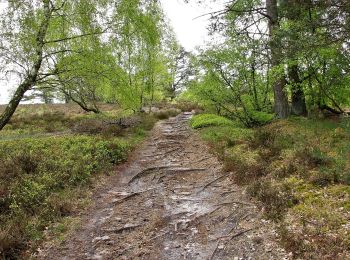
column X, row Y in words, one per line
column 36, row 57
column 35, row 33
column 279, row 86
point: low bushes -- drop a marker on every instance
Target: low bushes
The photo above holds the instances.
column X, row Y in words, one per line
column 167, row 113
column 299, row 169
column 205, row 120
column 48, row 161
column 33, row 174
column 187, row 106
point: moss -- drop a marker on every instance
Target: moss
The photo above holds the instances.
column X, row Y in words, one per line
column 205, row 120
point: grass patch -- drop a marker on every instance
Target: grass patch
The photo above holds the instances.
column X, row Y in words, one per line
column 299, row 169
column 204, row 120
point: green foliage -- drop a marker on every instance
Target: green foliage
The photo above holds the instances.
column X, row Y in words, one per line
column 299, row 170
column 54, row 163
column 261, row 118
column 46, row 175
column 106, row 52
column 205, row 120
column 33, row 170
column 229, row 83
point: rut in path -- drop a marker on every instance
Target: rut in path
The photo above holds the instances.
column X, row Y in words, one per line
column 172, row 201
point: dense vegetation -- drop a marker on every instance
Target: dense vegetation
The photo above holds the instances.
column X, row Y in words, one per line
column 275, row 91
column 299, row 170
column 51, row 156
column 87, row 52
column 276, row 57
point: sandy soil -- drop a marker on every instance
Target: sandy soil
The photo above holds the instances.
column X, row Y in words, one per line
column 172, row 200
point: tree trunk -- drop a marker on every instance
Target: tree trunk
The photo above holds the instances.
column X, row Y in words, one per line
column 85, row 107
column 31, row 78
column 80, row 102
column 280, row 95
column 298, row 96
column 294, row 12
column 13, row 104
column 255, row 92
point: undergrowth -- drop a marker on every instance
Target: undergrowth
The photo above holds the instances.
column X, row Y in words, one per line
column 49, row 160
column 205, row 120
column 299, row 169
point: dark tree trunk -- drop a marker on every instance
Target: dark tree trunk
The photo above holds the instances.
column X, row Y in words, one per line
column 14, row 102
column 31, row 79
column 255, row 92
column 281, row 100
column 294, row 12
column 298, row 96
column 81, row 102
column 280, row 95
column 86, row 108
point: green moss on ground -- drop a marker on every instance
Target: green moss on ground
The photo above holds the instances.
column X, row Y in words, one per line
column 204, row 120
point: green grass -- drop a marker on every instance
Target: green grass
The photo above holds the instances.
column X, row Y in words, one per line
column 204, row 120
column 299, row 169
column 49, row 159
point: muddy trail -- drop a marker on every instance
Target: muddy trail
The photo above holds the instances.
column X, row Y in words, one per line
column 171, row 201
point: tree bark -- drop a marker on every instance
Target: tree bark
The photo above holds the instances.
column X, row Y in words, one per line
column 280, row 95
column 85, row 107
column 32, row 77
column 298, row 96
column 294, row 12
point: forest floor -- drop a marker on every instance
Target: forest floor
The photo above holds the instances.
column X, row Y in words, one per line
column 171, row 200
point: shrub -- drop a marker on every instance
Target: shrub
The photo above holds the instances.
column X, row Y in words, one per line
column 261, row 118
column 205, row 120
column 45, row 167
column 245, row 163
column 276, row 197
column 299, row 169
column 186, row 106
column 41, row 121
column 161, row 115
column 165, row 114
column 88, row 126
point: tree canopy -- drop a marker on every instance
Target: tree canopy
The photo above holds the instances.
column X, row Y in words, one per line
column 278, row 57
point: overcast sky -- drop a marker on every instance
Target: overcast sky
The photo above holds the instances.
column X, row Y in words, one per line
column 190, row 32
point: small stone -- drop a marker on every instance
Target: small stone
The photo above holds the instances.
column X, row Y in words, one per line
column 105, row 238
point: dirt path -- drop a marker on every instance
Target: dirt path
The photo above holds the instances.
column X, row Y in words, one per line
column 171, row 202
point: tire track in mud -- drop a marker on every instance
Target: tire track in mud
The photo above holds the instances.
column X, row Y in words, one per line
column 172, row 201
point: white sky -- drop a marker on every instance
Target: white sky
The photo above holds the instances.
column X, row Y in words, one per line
column 190, row 32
